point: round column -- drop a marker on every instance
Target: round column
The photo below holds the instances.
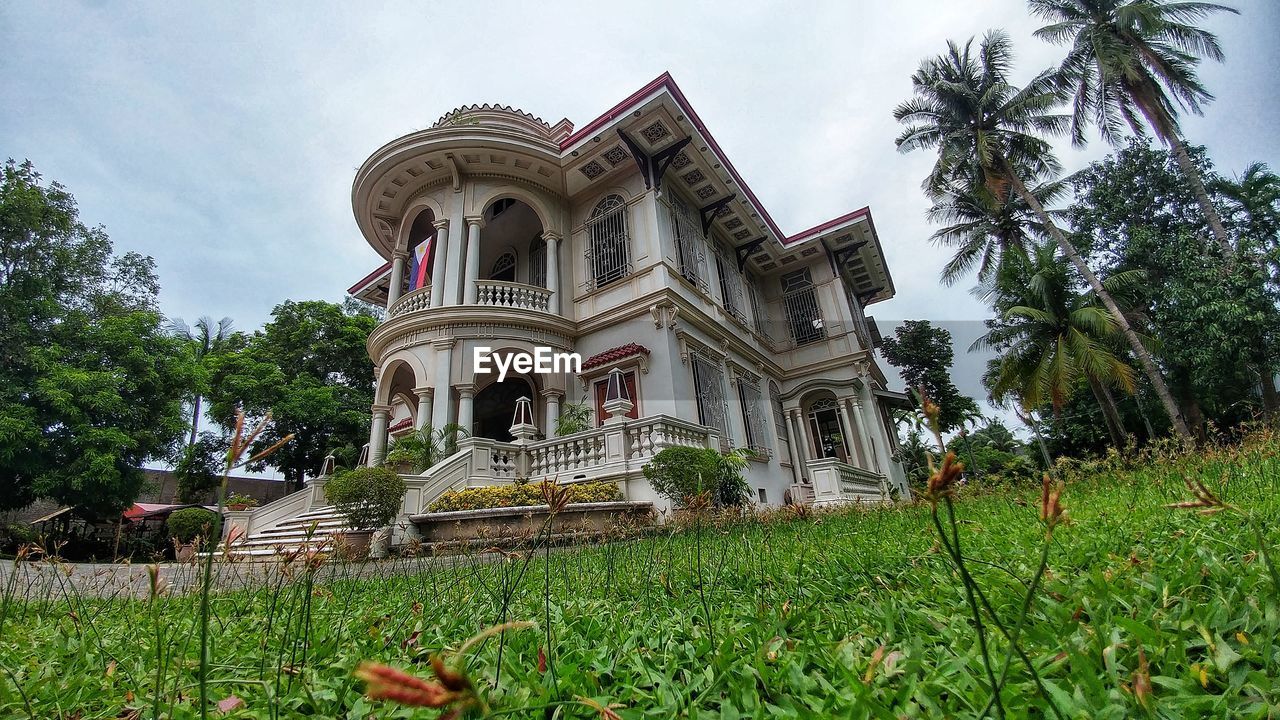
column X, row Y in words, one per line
column 440, row 248
column 423, row 417
column 553, row 272
column 378, row 433
column 470, row 292
column 397, row 277
column 444, row 362
column 552, row 398
column 466, row 396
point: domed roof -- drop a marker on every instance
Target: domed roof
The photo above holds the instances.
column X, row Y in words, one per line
column 504, row 116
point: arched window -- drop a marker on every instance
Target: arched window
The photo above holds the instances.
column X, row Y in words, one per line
column 504, row 268
column 609, row 252
column 538, row 262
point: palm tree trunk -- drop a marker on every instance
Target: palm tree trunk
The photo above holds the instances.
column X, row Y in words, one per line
column 195, row 421
column 1270, row 401
column 1192, row 175
column 1144, row 357
column 1110, row 416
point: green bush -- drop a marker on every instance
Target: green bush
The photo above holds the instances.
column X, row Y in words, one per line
column 187, row 524
column 521, row 495
column 369, row 497
column 680, row 473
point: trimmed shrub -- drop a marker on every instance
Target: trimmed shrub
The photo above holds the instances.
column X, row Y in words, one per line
column 369, row 497
column 187, row 524
column 678, row 473
column 521, row 495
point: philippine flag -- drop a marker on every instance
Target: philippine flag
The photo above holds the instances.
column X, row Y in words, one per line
column 418, row 276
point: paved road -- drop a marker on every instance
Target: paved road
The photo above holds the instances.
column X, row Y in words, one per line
column 57, row 581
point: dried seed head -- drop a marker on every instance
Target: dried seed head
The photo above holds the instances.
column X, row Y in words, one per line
column 387, row 683
column 1051, row 511
column 942, row 480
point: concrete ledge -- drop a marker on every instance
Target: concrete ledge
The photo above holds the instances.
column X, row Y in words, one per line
column 514, row 522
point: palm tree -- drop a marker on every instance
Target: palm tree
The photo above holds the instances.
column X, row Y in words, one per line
column 965, row 106
column 1132, row 59
column 207, row 338
column 984, row 228
column 1254, row 198
column 1051, row 336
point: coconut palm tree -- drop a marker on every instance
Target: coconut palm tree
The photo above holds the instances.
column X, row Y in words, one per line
column 1051, row 336
column 1254, row 201
column 981, row 125
column 984, row 228
column 207, row 338
column 1132, row 59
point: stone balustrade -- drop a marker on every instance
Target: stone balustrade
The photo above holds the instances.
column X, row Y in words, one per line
column 835, row 482
column 419, row 299
column 513, row 295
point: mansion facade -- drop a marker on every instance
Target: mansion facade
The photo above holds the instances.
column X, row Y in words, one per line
column 634, row 243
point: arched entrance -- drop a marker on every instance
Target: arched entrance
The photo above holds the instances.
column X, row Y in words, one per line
column 825, row 429
column 495, row 406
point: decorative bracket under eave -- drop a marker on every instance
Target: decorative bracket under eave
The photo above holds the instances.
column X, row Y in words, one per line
column 652, row 168
column 843, row 254
column 708, row 213
column 744, row 250
column 864, row 297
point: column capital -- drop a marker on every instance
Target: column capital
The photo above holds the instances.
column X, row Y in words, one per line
column 442, row 224
column 474, row 220
column 443, row 343
column 424, row 392
column 551, row 236
column 465, row 389
column 380, row 410
column 552, row 394
column 400, row 253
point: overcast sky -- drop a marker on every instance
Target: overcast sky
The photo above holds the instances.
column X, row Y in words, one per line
column 222, row 138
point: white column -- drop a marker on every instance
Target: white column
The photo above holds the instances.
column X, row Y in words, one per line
column 441, row 400
column 470, row 293
column 424, row 407
column 850, row 434
column 875, row 430
column 397, row 277
column 466, row 395
column 792, row 450
column 438, row 268
column 553, row 271
column 378, row 433
column 866, row 454
column 552, row 398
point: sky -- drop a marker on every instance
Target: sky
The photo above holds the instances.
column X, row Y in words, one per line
column 222, row 138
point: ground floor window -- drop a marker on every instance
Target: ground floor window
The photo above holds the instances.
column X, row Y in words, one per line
column 753, row 415
column 708, row 384
column 824, row 427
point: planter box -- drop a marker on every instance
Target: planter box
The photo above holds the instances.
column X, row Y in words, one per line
column 497, row 525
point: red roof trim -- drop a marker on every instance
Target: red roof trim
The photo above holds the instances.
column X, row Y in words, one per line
column 401, row 425
column 613, row 355
column 818, row 229
column 360, row 285
column 616, row 110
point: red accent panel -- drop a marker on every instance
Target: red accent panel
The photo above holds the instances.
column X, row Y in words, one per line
column 614, row 354
column 369, row 278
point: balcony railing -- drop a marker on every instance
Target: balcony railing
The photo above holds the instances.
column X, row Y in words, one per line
column 419, row 299
column 838, row 482
column 512, row 295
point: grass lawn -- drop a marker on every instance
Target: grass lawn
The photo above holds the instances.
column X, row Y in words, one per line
column 850, row 614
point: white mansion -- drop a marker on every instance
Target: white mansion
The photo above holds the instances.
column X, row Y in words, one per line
column 634, row 243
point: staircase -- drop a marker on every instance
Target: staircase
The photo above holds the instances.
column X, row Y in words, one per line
column 312, row 529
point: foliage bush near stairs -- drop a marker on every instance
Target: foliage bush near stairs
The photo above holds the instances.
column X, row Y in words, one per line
column 368, row 497
column 521, row 495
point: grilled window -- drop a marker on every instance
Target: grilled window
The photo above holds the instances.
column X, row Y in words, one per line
column 538, row 262
column 690, row 243
column 730, row 285
column 609, row 252
column 801, row 302
column 758, row 313
column 708, row 382
column 753, row 414
column 779, row 416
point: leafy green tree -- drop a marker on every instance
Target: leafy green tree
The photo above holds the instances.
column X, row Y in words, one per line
column 985, row 127
column 198, row 467
column 923, row 355
column 206, row 339
column 1217, row 328
column 1051, row 336
column 309, row 369
column 90, row 385
column 1253, row 200
column 1132, row 59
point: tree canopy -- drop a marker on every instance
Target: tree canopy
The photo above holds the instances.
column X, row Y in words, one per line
column 923, row 355
column 91, row 386
column 309, row 369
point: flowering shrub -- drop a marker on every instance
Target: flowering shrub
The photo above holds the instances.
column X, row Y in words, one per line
column 521, row 495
